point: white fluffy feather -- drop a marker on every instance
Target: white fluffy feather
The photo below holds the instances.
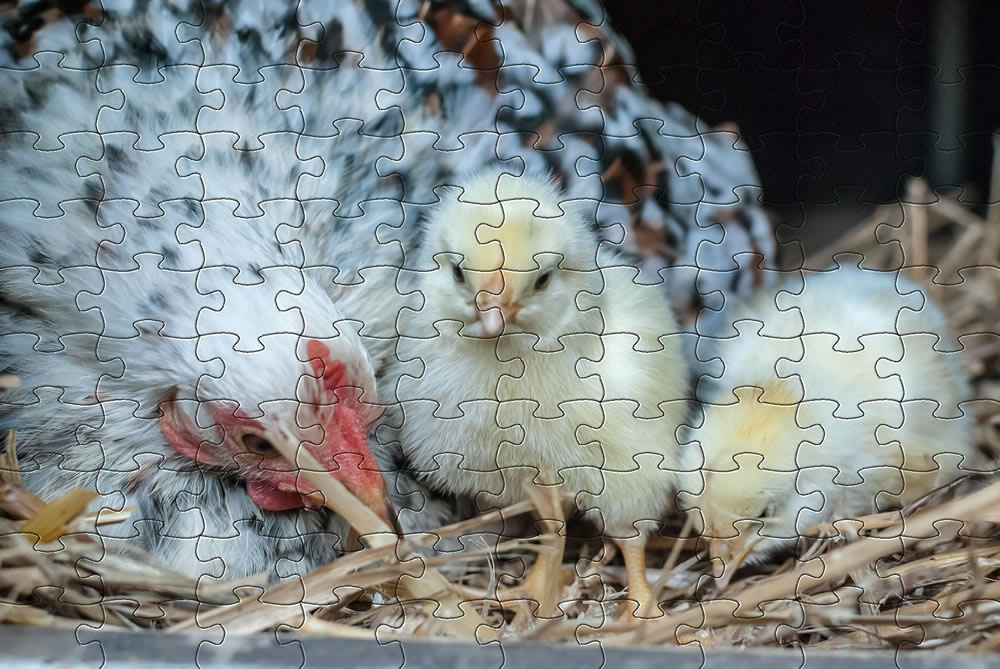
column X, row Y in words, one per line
column 587, row 388
column 844, row 410
column 139, row 288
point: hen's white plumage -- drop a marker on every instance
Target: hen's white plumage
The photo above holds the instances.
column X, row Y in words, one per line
column 167, row 284
column 585, row 386
column 846, row 408
column 142, row 293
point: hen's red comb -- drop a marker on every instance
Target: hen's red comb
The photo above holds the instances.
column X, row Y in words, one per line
column 332, row 372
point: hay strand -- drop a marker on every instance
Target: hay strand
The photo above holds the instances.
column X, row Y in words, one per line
column 927, row 575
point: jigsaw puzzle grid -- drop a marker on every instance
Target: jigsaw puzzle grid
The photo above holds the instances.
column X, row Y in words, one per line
column 248, row 216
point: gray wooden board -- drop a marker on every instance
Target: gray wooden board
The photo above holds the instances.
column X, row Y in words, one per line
column 72, row 649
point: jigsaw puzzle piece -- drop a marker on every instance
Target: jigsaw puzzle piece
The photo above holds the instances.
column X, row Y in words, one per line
column 136, row 357
column 740, row 517
column 67, row 98
column 242, row 105
column 260, row 299
column 80, row 418
column 437, row 354
column 924, row 434
column 340, row 180
column 288, row 546
column 253, row 35
column 561, row 372
column 421, row 147
column 973, row 292
column 733, row 424
column 42, row 245
column 723, row 291
column 141, row 235
column 862, row 431
column 152, row 40
column 862, row 365
column 380, row 333
column 147, row 294
column 439, row 83
column 73, row 280
column 148, row 177
column 759, row 358
column 622, row 237
column 578, row 60
column 249, row 177
column 380, row 117
column 35, row 171
column 228, row 240
column 626, row 351
column 176, row 91
column 349, row 29
column 476, row 418
column 377, row 230
column 21, row 350
column 919, row 354
column 853, row 279
column 569, row 153
column 63, row 37
column 539, row 433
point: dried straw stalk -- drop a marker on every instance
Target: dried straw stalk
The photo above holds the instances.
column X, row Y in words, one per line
column 937, row 561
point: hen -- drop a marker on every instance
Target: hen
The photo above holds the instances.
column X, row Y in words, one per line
column 842, row 409
column 196, row 189
column 532, row 364
column 168, row 346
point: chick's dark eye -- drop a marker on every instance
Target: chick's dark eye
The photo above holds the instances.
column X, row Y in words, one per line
column 542, row 281
column 458, row 273
column 258, row 445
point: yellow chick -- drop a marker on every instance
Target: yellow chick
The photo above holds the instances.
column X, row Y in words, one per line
column 535, row 365
column 787, row 450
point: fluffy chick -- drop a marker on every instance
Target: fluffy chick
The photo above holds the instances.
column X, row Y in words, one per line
column 777, row 461
column 539, row 366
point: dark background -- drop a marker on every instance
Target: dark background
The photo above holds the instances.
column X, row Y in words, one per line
column 839, row 100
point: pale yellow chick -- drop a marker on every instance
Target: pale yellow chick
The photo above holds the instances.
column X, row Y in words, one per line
column 779, row 464
column 538, row 365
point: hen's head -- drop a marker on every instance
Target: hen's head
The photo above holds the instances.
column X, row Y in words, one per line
column 512, row 254
column 297, row 392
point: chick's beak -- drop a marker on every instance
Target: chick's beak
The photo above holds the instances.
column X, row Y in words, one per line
column 496, row 306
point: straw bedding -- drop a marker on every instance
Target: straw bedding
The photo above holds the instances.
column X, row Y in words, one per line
column 923, row 577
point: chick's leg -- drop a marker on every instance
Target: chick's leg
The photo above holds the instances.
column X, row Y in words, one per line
column 634, row 552
column 544, row 582
column 537, row 585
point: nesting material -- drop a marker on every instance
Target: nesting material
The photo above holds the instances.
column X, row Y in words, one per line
column 925, row 577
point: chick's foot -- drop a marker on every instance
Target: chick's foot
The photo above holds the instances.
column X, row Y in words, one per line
column 634, row 552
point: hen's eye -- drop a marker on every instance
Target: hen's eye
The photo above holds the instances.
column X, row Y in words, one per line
column 542, row 281
column 458, row 273
column 258, row 445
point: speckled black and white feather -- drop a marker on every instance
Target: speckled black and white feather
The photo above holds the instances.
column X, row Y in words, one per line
column 185, row 194
column 143, row 282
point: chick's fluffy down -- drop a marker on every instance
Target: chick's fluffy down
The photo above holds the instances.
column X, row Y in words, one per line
column 585, row 386
column 861, row 415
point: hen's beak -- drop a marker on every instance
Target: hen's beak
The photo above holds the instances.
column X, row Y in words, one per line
column 496, row 308
column 378, row 501
column 366, row 485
